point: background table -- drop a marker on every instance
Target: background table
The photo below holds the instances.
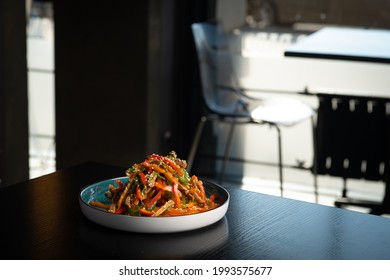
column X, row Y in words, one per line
column 41, row 219
column 356, row 44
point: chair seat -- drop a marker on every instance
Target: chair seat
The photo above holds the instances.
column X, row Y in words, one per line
column 282, row 111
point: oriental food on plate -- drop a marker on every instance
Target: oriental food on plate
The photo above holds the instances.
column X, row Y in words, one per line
column 157, row 195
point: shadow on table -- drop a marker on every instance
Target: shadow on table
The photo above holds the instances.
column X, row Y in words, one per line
column 105, row 243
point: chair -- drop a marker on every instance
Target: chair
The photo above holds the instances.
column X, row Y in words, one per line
column 226, row 102
column 352, row 141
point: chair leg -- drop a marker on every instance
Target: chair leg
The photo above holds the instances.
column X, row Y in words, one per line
column 344, row 191
column 315, row 185
column 280, row 158
column 315, row 153
column 343, row 200
column 384, row 206
column 227, row 152
column 195, row 143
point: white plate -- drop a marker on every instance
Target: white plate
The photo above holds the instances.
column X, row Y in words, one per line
column 97, row 192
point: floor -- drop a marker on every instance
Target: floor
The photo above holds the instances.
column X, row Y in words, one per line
column 328, row 190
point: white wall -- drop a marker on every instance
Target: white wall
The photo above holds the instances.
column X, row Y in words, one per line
column 41, row 98
column 231, row 12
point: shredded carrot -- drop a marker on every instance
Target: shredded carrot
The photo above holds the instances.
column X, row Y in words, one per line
column 201, row 188
column 149, row 204
column 99, row 204
column 176, row 195
column 138, row 192
column 145, row 212
column 142, row 177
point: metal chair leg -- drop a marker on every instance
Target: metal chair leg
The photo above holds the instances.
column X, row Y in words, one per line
column 314, row 167
column 195, row 143
column 280, row 158
column 345, row 190
column 227, row 152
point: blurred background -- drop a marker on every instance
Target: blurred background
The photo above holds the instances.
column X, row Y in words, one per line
column 113, row 81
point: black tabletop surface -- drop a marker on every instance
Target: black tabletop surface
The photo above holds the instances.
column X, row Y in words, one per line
column 41, row 219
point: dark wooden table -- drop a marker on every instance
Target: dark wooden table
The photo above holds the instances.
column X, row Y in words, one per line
column 41, row 219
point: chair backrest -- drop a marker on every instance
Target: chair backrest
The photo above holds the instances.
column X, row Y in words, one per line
column 216, row 71
column 352, row 137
